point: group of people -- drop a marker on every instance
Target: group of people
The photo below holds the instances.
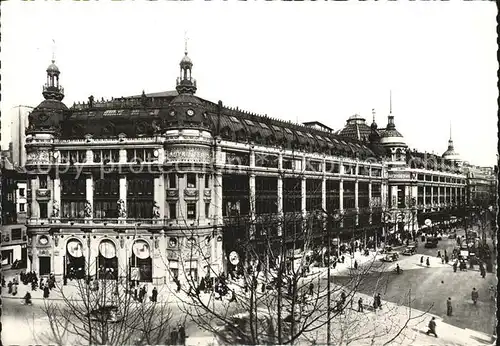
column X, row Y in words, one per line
column 140, row 293
column 178, row 336
column 30, row 278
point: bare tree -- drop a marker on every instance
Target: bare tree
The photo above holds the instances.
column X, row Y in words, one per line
column 103, row 312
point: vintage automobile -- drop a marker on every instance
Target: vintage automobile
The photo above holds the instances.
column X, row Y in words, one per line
column 387, row 249
column 391, row 257
column 410, row 250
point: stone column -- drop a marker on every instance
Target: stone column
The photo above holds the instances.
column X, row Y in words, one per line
column 159, row 193
column 432, row 196
column 323, row 193
column 356, row 194
column 370, row 202
column 56, row 195
column 89, row 156
column 394, row 196
column 218, row 197
column 303, row 195
column 445, row 195
column 341, row 195
column 251, row 184
column 408, row 195
column 160, row 263
column 123, row 190
column 89, row 195
column 423, row 195
column 439, row 196
column 123, row 156
column 35, row 209
column 201, row 199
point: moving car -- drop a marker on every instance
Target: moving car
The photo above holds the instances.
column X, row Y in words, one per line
column 391, row 257
column 431, row 242
column 410, row 250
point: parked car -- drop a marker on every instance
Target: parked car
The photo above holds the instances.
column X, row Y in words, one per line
column 410, row 250
column 391, row 257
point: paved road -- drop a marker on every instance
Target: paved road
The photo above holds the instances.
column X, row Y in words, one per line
column 430, row 287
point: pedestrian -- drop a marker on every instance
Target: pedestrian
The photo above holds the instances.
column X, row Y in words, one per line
column 360, row 304
column 135, row 292
column 432, row 327
column 422, row 260
column 154, row 295
column 474, row 296
column 356, row 265
column 46, row 291
column 173, row 336
column 445, row 253
column 14, row 289
column 233, row 296
column 263, row 287
column 379, row 301
column 439, row 254
column 342, row 259
column 398, row 270
column 27, row 299
column 446, row 258
column 442, row 260
column 428, row 262
column 449, row 309
column 9, row 286
column 455, row 266
column 343, row 297
column 182, row 334
column 311, row 289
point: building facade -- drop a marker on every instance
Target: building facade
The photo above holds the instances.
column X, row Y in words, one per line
column 13, row 229
column 158, row 186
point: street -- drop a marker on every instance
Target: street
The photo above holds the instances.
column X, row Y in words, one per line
column 431, row 287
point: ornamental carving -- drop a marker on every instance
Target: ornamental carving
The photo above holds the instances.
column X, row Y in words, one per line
column 36, row 157
column 88, row 209
column 172, row 193
column 43, row 194
column 156, row 210
column 399, row 175
column 187, row 154
column 55, row 208
column 122, row 211
column 190, row 193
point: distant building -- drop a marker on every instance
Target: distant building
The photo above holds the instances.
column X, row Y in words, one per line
column 18, row 133
column 14, row 213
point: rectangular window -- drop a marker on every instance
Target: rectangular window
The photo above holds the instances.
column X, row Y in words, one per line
column 64, row 156
column 191, row 180
column 115, row 155
column 81, row 156
column 172, row 180
column 207, row 210
column 43, row 210
column 21, row 207
column 43, row 181
column 130, row 155
column 207, row 181
column 172, row 210
column 149, row 155
column 16, row 234
column 287, row 164
column 97, row 156
column 191, row 211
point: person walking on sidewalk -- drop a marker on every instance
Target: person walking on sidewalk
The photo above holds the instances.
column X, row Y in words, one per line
column 432, row 327
column 449, row 309
column 311, row 289
column 422, row 260
column 154, row 295
column 46, row 292
column 474, row 296
column 427, row 262
column 360, row 304
column 355, row 265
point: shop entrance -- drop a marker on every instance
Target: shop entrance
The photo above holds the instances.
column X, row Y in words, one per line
column 141, row 264
column 44, row 265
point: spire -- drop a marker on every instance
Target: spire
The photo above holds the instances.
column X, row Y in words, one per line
column 450, row 141
column 52, row 90
column 390, row 118
column 450, row 131
column 390, row 102
column 374, row 123
column 185, row 83
column 53, row 51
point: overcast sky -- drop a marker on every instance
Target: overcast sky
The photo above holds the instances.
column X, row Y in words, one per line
column 319, row 61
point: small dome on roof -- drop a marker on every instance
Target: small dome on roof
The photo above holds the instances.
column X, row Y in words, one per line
column 53, row 67
column 186, row 60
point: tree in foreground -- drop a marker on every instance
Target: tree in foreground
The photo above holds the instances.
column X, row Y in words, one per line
column 103, row 311
column 280, row 297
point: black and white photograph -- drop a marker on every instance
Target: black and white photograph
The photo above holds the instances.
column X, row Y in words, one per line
column 249, row 173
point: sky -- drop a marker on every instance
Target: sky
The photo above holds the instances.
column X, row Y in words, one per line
column 322, row 61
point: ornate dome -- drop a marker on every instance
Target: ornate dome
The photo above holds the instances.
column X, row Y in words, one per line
column 53, row 68
column 186, row 61
column 450, row 153
column 391, row 136
column 46, row 117
column 186, row 111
